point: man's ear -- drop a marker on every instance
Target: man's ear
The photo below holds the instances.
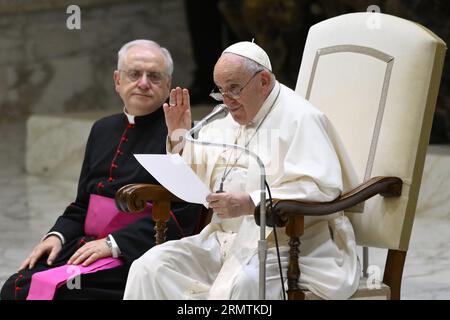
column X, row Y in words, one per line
column 266, row 79
column 116, row 78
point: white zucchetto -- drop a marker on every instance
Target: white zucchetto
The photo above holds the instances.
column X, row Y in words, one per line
column 251, row 51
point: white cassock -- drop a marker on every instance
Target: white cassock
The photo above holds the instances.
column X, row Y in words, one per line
column 304, row 160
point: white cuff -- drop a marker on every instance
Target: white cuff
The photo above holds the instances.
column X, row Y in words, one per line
column 115, row 248
column 170, row 149
column 55, row 233
column 256, row 197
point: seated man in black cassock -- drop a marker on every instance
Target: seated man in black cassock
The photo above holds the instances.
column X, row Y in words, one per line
column 92, row 239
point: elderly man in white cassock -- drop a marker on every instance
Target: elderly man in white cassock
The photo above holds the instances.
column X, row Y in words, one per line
column 304, row 160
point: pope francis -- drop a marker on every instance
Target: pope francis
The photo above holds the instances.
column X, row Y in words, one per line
column 304, row 160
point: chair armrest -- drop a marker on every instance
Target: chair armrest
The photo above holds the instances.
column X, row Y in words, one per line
column 133, row 197
column 283, row 209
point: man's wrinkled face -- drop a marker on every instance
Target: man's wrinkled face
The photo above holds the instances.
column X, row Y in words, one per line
column 230, row 75
column 142, row 80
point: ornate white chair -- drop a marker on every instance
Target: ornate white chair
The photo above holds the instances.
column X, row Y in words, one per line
column 376, row 77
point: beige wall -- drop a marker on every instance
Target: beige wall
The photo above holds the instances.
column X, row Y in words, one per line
column 47, row 68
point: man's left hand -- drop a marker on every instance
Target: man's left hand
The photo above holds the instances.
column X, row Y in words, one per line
column 230, row 204
column 91, row 252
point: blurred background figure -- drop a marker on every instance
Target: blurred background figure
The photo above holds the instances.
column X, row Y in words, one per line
column 281, row 27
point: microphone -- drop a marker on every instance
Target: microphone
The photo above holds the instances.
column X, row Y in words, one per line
column 220, row 111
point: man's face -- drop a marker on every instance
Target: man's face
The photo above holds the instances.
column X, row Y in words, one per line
column 142, row 82
column 231, row 75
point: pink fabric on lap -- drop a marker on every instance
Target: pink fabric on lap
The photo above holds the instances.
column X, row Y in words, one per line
column 44, row 284
column 102, row 219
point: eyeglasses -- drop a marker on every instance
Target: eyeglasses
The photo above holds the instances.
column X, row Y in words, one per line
column 134, row 75
column 233, row 93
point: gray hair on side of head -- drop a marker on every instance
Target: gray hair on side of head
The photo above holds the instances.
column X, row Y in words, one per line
column 253, row 67
column 149, row 44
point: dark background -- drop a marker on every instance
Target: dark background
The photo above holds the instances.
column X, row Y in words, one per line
column 281, row 27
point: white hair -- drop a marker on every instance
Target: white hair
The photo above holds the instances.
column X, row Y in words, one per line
column 252, row 67
column 149, row 44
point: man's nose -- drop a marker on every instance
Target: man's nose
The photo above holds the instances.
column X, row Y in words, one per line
column 143, row 82
column 228, row 100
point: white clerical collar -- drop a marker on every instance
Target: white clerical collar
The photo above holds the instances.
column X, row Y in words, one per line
column 266, row 106
column 129, row 116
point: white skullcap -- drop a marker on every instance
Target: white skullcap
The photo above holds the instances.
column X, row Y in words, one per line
column 251, row 51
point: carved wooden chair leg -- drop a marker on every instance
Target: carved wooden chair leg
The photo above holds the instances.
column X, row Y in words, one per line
column 161, row 214
column 294, row 229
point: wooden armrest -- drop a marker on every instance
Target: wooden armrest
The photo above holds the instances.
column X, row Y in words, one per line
column 283, row 209
column 133, row 197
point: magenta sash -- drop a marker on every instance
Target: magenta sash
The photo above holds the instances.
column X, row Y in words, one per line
column 102, row 219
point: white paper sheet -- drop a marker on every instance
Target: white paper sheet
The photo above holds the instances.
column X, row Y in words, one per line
column 174, row 174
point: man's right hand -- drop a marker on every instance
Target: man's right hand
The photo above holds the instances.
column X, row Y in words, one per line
column 178, row 114
column 50, row 246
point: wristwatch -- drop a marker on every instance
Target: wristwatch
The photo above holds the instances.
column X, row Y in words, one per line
column 112, row 246
column 109, row 244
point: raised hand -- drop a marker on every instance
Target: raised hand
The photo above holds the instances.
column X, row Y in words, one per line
column 178, row 113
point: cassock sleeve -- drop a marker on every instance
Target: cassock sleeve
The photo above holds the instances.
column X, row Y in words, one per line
column 71, row 222
column 135, row 239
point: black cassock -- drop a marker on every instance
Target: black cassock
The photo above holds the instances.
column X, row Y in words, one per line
column 108, row 165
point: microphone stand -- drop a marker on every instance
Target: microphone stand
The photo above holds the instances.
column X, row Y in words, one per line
column 262, row 243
